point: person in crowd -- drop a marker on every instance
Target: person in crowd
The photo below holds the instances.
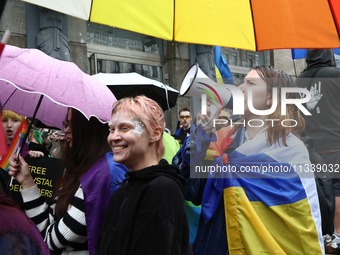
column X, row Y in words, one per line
column 11, row 121
column 73, row 222
column 185, row 120
column 58, row 141
column 18, row 234
column 258, row 211
column 146, row 215
column 37, row 145
column 225, row 120
column 322, row 78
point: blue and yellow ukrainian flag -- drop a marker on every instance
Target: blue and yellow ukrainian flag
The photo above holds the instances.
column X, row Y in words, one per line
column 222, row 71
column 266, row 212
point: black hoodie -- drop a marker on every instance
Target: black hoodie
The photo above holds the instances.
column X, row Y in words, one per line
column 147, row 214
column 323, row 126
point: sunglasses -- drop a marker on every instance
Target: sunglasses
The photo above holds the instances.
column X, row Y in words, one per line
column 184, row 117
column 66, row 124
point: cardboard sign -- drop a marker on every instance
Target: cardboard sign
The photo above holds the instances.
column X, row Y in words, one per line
column 46, row 173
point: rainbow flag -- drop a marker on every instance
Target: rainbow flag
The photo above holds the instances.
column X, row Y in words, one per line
column 222, row 71
column 266, row 211
column 17, row 142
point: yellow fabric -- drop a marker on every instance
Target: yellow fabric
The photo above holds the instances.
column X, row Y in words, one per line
column 171, row 147
column 254, row 228
column 219, row 78
column 153, row 18
column 215, row 22
column 278, row 24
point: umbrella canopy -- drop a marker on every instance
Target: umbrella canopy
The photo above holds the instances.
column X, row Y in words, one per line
column 133, row 84
column 251, row 25
column 26, row 74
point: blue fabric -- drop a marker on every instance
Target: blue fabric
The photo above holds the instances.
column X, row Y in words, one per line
column 211, row 236
column 299, row 53
column 302, row 53
column 222, row 65
column 256, row 187
column 178, row 131
column 194, row 213
column 192, row 127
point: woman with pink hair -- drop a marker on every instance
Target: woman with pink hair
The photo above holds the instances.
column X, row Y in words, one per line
column 146, row 215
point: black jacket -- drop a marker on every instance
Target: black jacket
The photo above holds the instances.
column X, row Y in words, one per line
column 323, row 126
column 147, row 214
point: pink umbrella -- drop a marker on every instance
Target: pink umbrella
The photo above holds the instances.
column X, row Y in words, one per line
column 26, row 74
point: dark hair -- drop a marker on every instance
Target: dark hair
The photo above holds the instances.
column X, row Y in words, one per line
column 279, row 79
column 89, row 144
column 185, row 109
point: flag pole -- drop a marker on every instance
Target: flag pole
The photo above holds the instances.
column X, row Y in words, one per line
column 33, row 118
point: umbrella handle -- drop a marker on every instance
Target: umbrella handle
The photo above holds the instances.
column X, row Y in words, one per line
column 29, row 127
column 9, row 97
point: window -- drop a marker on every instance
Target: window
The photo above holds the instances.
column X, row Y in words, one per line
column 107, row 66
column 114, row 50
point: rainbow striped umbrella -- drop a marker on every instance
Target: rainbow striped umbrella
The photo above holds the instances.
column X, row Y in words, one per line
column 245, row 24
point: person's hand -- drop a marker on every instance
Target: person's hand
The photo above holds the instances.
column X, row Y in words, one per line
column 315, row 96
column 21, row 172
column 203, row 119
column 35, row 154
column 210, row 126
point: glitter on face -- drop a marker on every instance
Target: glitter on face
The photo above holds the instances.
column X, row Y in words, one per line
column 139, row 129
column 116, row 119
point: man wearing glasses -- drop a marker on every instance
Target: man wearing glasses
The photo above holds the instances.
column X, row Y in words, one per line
column 185, row 125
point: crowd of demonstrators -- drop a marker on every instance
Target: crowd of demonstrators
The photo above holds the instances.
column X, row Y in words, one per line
column 185, row 119
column 120, row 196
column 246, row 214
column 146, row 215
column 322, row 78
column 73, row 221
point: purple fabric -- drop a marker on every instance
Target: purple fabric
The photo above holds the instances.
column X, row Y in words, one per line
column 96, row 184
